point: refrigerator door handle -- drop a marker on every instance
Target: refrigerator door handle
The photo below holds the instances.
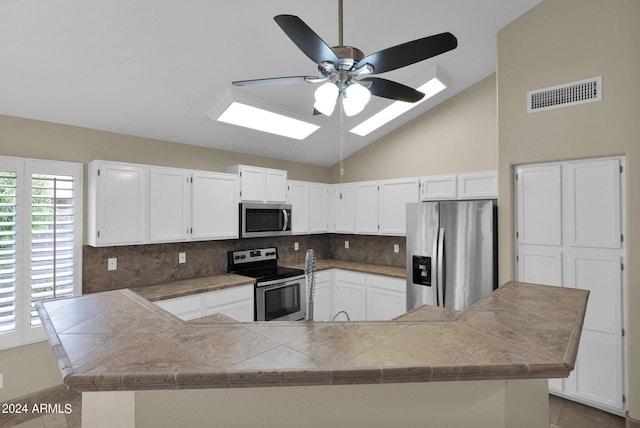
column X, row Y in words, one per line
column 441, row 266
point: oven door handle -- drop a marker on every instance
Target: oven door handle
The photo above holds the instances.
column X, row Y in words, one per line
column 286, row 220
column 281, row 281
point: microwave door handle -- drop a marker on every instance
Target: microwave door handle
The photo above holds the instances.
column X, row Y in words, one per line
column 286, row 220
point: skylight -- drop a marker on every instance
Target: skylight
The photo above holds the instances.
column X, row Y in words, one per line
column 266, row 121
column 431, row 88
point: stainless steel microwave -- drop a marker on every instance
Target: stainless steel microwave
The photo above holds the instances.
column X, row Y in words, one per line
column 258, row 220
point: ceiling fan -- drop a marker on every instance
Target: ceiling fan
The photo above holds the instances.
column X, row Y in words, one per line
column 344, row 69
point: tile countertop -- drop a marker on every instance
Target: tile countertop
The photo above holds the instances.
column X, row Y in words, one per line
column 118, row 340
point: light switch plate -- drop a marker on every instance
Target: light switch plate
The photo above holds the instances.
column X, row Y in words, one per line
column 296, row 246
column 182, row 257
column 346, row 244
column 112, row 263
column 1, row 380
column 396, row 248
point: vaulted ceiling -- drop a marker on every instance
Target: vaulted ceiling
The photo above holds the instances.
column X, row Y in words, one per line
column 156, row 68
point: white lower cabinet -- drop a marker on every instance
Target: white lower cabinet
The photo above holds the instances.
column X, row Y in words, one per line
column 236, row 303
column 386, row 297
column 367, row 297
column 323, row 297
column 351, row 295
column 186, row 308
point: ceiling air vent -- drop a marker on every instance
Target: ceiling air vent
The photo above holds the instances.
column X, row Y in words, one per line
column 568, row 94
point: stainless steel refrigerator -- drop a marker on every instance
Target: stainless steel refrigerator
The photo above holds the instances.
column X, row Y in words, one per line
column 452, row 256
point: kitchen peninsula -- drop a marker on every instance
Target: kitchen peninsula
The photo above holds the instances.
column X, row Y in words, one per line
column 490, row 360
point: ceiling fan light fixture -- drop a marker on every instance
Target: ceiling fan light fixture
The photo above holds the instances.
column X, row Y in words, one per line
column 355, row 99
column 325, row 97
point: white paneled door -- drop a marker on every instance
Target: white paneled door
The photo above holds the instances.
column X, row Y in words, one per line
column 570, row 233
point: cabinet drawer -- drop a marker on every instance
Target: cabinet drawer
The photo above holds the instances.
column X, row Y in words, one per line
column 182, row 305
column 353, row 277
column 387, row 283
column 228, row 295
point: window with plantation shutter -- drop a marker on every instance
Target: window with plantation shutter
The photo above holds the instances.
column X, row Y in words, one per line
column 8, row 211
column 40, row 242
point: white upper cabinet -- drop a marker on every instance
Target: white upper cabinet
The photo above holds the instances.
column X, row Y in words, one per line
column 594, row 203
column 261, row 184
column 276, row 185
column 437, row 187
column 478, row 185
column 392, row 204
column 169, row 200
column 366, row 207
column 318, row 207
column 468, row 185
column 299, row 198
column 118, row 203
column 138, row 204
column 539, row 204
column 344, row 204
column 214, row 208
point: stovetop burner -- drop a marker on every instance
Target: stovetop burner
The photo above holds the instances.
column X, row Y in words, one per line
column 261, row 264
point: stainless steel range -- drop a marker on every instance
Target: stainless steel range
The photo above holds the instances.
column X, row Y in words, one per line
column 280, row 292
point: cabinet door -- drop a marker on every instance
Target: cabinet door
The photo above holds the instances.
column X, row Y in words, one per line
column 121, row 206
column 539, row 204
column 351, row 295
column 386, row 297
column 275, row 185
column 366, row 207
column 593, row 197
column 299, row 200
column 438, row 187
column 252, row 180
column 215, row 206
column 393, row 198
column 344, row 208
column 236, row 303
column 323, row 296
column 318, row 208
column 169, row 201
column 478, row 185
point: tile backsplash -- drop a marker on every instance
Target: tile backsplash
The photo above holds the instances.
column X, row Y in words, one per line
column 157, row 263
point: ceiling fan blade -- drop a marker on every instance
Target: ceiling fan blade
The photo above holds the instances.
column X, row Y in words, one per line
column 409, row 53
column 275, row 81
column 392, row 90
column 306, row 39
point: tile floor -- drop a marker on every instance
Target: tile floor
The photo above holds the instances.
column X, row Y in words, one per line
column 569, row 414
column 562, row 414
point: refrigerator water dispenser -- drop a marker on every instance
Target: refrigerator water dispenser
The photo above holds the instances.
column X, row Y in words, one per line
column 421, row 270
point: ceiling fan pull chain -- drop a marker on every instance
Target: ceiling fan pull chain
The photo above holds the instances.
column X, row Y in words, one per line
column 341, row 136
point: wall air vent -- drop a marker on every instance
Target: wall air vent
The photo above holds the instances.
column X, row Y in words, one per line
column 568, row 94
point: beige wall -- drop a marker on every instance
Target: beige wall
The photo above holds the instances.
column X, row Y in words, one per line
column 36, row 139
column 28, row 369
column 563, row 41
column 457, row 136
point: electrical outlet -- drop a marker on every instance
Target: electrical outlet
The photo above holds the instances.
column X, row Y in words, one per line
column 1, row 381
column 396, row 248
column 182, row 257
column 346, row 244
column 112, row 263
column 296, row 246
